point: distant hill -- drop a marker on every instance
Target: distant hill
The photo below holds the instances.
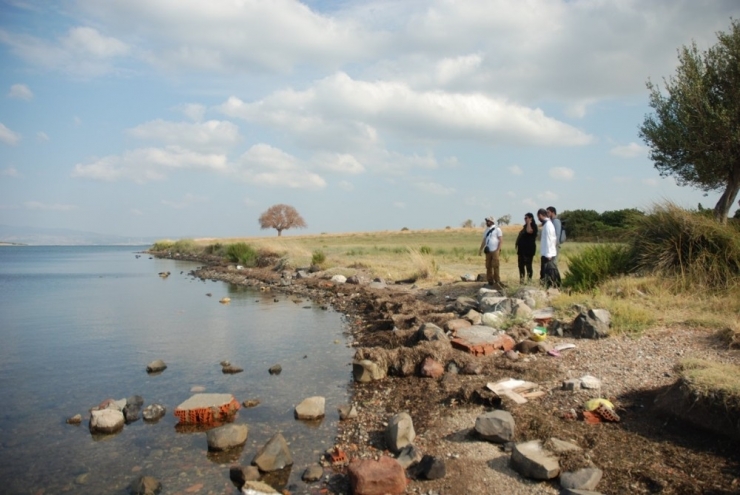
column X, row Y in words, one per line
column 36, row 236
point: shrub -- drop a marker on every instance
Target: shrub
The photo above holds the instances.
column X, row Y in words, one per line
column 165, row 245
column 186, row 246
column 243, row 253
column 266, row 258
column 318, row 257
column 216, row 249
column 595, row 264
column 405, row 229
column 697, row 250
column 425, row 250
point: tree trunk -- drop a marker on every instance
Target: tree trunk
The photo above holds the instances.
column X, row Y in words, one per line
column 280, row 232
column 722, row 208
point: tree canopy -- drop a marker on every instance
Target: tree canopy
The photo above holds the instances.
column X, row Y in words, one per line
column 281, row 217
column 694, row 134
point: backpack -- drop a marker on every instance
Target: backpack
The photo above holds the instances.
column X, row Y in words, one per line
column 563, row 237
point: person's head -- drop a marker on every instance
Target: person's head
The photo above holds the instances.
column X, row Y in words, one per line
column 490, row 221
column 528, row 216
column 552, row 212
column 542, row 214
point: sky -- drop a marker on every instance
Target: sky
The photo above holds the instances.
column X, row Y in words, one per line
column 187, row 118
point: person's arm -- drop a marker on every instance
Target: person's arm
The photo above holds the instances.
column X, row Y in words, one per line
column 482, row 245
column 529, row 228
column 500, row 241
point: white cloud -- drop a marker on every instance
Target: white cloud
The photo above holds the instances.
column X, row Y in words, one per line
column 42, row 136
column 396, row 108
column 650, row 182
column 186, row 201
column 338, row 162
column 631, row 150
column 193, row 111
column 622, row 179
column 211, row 135
column 562, row 173
column 481, row 203
column 82, row 52
column 265, row 165
column 10, row 172
column 346, row 186
column 530, row 203
column 451, row 69
column 76, row 120
column 235, row 37
column 249, row 202
column 399, row 204
column 147, row 164
column 9, row 136
column 516, row 170
column 20, row 92
column 434, row 188
column 136, row 211
column 511, row 194
column 547, row 196
column 38, row 205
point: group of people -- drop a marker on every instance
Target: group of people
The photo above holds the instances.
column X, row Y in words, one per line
column 526, row 247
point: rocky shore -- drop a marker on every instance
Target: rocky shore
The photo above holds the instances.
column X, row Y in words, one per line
column 462, row 431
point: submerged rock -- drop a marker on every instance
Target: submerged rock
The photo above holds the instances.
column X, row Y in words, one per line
column 274, row 455
column 156, row 366
column 154, row 412
column 106, row 421
column 226, row 437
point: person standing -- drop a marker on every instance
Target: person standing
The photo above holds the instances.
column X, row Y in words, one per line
column 526, row 247
column 552, row 213
column 491, row 246
column 548, row 244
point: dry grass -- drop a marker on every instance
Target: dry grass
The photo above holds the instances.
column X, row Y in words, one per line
column 711, row 380
column 636, row 303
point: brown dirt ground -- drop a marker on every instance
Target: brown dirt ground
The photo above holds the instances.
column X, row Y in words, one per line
column 647, row 452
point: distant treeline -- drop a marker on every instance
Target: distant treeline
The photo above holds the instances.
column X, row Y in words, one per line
column 589, row 225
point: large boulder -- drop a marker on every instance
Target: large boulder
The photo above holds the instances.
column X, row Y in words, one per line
column 274, row 455
column 430, row 332
column 226, row 437
column 464, row 304
column 311, row 408
column 491, row 304
column 496, row 426
column 145, row 485
column 156, row 366
column 484, row 292
column 493, row 319
column 106, row 421
column 154, row 412
column 400, row 432
column 366, row 371
column 531, row 460
column 241, row 474
column 430, row 368
column 473, row 317
column 582, row 479
column 429, row 468
column 594, row 324
column 382, row 477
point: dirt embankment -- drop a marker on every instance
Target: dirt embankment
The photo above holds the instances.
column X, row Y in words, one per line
column 646, row 452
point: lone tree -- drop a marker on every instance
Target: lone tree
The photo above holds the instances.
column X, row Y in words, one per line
column 503, row 220
column 281, row 217
column 694, row 134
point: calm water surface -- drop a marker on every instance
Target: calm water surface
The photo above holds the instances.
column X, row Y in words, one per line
column 79, row 325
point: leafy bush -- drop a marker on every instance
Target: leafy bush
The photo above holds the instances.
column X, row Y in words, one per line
column 595, row 264
column 404, row 229
column 242, row 253
column 425, row 250
column 696, row 249
column 216, row 249
column 162, row 246
column 318, row 257
column 186, row 246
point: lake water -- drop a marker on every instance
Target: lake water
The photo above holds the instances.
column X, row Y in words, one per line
column 80, row 324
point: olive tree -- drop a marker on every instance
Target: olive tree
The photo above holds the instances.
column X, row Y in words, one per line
column 694, row 133
column 281, row 217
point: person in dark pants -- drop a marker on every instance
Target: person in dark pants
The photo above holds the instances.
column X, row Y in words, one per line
column 526, row 247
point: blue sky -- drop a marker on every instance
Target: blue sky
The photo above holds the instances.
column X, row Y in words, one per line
column 190, row 118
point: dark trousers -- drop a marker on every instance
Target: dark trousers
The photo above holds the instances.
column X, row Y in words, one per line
column 549, row 281
column 525, row 265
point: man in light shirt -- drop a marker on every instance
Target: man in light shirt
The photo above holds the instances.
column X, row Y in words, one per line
column 491, row 245
column 548, row 241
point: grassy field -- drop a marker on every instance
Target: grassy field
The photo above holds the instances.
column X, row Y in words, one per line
column 445, row 255
column 432, row 256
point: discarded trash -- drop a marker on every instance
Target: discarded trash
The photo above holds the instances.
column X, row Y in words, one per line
column 592, row 404
column 564, row 347
column 553, row 352
column 539, row 334
column 516, row 390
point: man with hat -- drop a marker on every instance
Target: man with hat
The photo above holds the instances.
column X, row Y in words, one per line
column 491, row 246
